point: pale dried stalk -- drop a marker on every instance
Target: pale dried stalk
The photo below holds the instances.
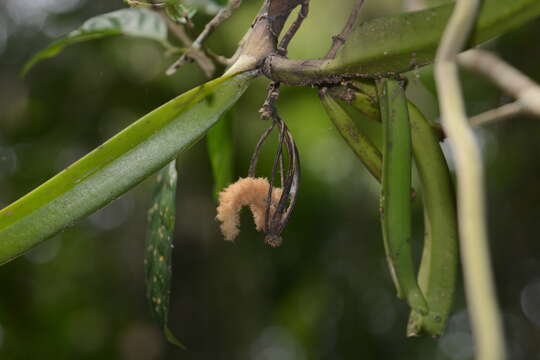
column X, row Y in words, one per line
column 479, row 286
column 501, row 113
column 505, row 76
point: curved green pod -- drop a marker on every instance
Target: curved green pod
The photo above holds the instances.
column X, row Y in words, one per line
column 438, row 267
column 439, row 264
column 116, row 166
column 361, row 145
column 396, row 192
column 399, row 43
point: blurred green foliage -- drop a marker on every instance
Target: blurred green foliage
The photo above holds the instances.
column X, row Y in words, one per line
column 324, row 294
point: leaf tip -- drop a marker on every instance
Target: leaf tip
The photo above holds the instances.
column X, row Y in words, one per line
column 172, row 339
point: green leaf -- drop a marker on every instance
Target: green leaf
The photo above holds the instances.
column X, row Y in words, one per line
column 402, row 42
column 117, row 165
column 219, row 140
column 396, row 192
column 158, row 247
column 134, row 22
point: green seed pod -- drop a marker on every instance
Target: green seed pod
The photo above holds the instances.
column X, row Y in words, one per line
column 363, row 148
column 438, row 267
column 396, row 192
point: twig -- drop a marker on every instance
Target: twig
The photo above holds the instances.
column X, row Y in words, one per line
column 221, row 16
column 505, row 76
column 479, row 285
column 223, row 60
column 177, row 30
column 284, row 43
column 339, row 40
column 256, row 153
column 268, row 109
column 270, row 221
column 206, row 65
column 503, row 112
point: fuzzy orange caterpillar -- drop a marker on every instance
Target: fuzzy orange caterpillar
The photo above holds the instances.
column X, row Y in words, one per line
column 252, row 192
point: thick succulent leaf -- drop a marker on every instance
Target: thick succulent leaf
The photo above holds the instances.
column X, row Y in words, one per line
column 220, row 145
column 159, row 245
column 399, row 43
column 134, row 22
column 403, row 42
column 117, row 165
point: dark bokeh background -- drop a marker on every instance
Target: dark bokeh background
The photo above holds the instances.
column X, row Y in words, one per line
column 324, row 294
